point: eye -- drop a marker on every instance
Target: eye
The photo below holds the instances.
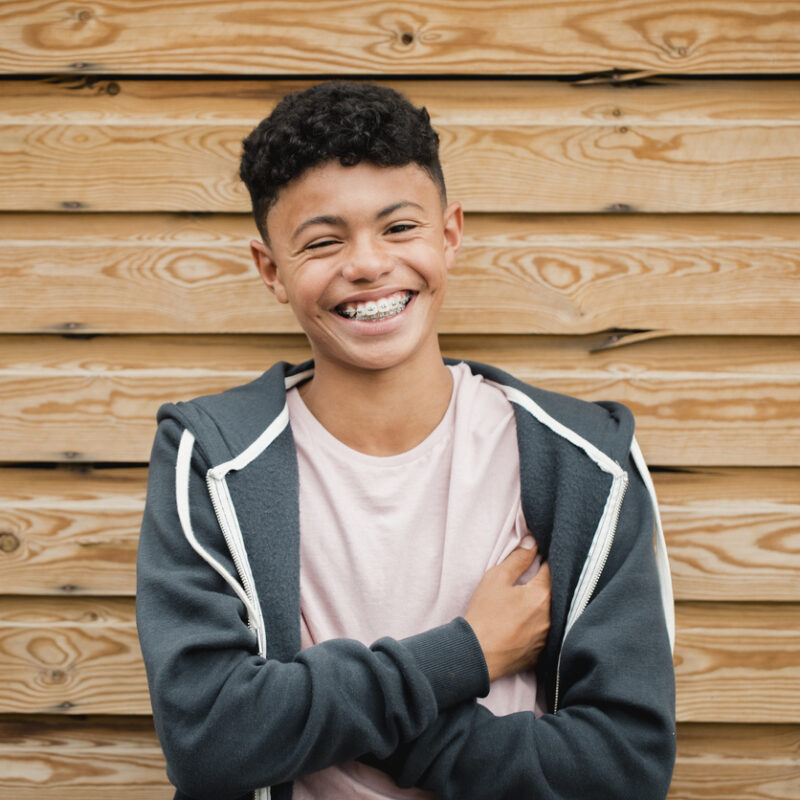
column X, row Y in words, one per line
column 323, row 243
column 401, row 227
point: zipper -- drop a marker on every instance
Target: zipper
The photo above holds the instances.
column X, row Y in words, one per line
column 595, row 562
column 222, row 503
column 225, row 512
column 223, row 509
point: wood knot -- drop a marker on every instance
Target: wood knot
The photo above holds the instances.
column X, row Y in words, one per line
column 84, row 15
column 72, row 205
column 58, row 675
column 8, row 542
column 616, row 112
column 112, row 88
column 407, row 38
column 623, row 129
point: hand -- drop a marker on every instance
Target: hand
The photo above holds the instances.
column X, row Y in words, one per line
column 511, row 621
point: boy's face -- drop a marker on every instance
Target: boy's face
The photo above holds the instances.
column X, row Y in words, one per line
column 361, row 254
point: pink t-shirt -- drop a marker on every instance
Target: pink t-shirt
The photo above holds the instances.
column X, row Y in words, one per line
column 394, row 545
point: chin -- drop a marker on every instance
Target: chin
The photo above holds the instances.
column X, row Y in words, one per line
column 380, row 360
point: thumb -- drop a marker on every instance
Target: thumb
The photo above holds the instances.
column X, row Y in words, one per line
column 518, row 560
column 541, row 581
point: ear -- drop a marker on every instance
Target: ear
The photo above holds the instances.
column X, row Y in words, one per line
column 453, row 219
column 268, row 269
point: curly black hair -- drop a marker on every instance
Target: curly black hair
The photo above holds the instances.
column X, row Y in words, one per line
column 336, row 120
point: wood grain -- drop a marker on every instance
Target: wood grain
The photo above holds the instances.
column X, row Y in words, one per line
column 721, row 401
column 86, row 758
column 80, row 758
column 357, row 37
column 121, row 102
column 745, row 762
column 522, row 155
column 674, row 147
column 70, row 531
column 731, row 533
column 735, row 662
column 78, row 656
column 96, row 273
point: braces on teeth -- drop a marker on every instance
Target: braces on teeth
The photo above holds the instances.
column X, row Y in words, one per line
column 376, row 309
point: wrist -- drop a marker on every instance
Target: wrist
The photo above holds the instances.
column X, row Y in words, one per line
column 452, row 660
column 481, row 638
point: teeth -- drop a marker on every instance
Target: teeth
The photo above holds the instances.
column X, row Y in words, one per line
column 373, row 310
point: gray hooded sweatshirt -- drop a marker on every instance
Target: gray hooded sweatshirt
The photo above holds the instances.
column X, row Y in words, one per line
column 240, row 708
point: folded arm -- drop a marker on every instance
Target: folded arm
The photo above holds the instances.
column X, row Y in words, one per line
column 229, row 720
column 613, row 736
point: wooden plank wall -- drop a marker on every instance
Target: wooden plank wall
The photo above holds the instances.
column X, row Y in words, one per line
column 631, row 174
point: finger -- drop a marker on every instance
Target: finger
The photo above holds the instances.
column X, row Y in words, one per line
column 541, row 581
column 516, row 562
column 529, row 543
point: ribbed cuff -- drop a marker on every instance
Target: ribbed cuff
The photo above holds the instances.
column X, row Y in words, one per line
column 451, row 658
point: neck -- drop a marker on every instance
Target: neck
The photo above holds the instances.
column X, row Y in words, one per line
column 380, row 412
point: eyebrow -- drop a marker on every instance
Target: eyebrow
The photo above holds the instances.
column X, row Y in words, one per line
column 330, row 219
column 324, row 219
column 396, row 207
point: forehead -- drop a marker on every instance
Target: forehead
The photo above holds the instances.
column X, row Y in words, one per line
column 356, row 192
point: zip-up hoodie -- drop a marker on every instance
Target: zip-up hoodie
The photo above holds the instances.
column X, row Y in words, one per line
column 239, row 707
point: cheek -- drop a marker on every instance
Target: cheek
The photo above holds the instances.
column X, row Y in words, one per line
column 427, row 259
column 436, row 267
column 312, row 287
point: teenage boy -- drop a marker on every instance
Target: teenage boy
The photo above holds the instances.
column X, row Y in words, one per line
column 335, row 561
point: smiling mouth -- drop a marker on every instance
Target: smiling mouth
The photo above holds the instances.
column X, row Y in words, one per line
column 374, row 310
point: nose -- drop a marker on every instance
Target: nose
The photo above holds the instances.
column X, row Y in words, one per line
column 366, row 260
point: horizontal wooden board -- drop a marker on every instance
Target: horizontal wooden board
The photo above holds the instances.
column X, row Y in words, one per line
column 74, row 758
column 70, row 531
column 429, row 37
column 115, row 273
column 724, row 401
column 78, row 758
column 677, row 146
column 734, row 662
column 745, row 762
column 78, row 656
column 731, row 533
column 452, row 102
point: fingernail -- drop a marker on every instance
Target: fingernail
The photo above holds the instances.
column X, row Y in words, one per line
column 527, row 543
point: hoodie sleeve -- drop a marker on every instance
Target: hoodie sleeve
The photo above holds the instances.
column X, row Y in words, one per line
column 613, row 736
column 229, row 720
